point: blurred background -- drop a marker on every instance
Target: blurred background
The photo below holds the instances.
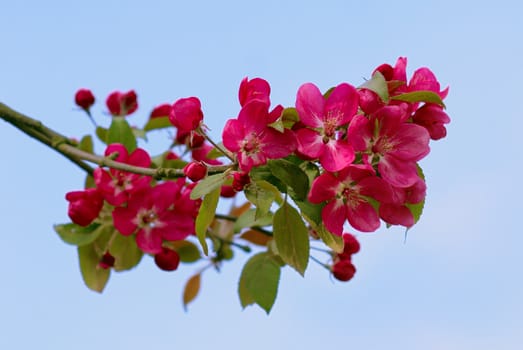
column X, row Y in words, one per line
column 454, row 284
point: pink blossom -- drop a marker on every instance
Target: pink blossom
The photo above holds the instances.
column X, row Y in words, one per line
column 424, row 80
column 251, row 138
column 323, row 118
column 396, row 212
column 433, row 118
column 156, row 214
column 394, row 145
column 117, row 185
column 256, row 88
column 122, row 103
column 195, row 171
column 84, row 206
column 186, row 114
column 348, row 196
column 167, row 259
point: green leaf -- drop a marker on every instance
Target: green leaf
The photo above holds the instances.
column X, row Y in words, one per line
column 264, row 173
column 191, row 290
column 157, row 123
column 86, row 144
column 378, row 84
column 249, row 219
column 125, row 251
column 420, row 96
column 311, row 212
column 289, row 117
column 102, row 134
column 121, row 132
column 259, row 281
column 262, row 194
column 207, row 185
column 187, row 250
column 331, row 240
column 206, row 216
column 292, row 176
column 78, row 235
column 95, row 278
column 292, row 237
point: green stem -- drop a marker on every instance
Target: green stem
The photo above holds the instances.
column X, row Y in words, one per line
column 224, row 152
column 62, row 145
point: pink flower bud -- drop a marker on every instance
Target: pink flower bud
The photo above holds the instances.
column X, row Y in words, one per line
column 84, row 206
column 84, row 98
column 122, row 104
column 240, row 180
column 107, row 261
column 351, row 246
column 161, row 111
column 195, row 171
column 227, row 191
column 167, row 260
column 186, row 113
column 343, row 270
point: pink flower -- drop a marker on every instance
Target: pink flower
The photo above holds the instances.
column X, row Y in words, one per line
column 323, row 118
column 122, row 103
column 396, row 212
column 348, row 196
column 163, row 110
column 186, row 114
column 388, row 141
column 256, row 88
column 433, row 118
column 84, row 206
column 84, row 98
column 117, row 185
column 155, row 215
column 424, row 80
column 253, row 140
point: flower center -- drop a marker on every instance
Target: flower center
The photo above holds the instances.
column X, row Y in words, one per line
column 148, row 219
column 251, row 144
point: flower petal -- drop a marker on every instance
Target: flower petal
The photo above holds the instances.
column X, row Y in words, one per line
column 396, row 215
column 310, row 143
column 233, row 134
column 124, row 220
column 334, row 215
column 363, row 217
column 323, row 188
column 149, row 241
column 411, row 142
column 343, row 102
column 399, row 173
column 310, row 105
column 337, row 154
column 275, row 144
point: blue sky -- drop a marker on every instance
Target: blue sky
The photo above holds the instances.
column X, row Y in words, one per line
column 455, row 284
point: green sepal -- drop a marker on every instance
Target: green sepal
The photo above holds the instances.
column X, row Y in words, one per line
column 121, row 132
column 259, row 281
column 292, row 237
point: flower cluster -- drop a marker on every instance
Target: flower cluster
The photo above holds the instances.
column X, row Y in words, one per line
column 346, row 157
